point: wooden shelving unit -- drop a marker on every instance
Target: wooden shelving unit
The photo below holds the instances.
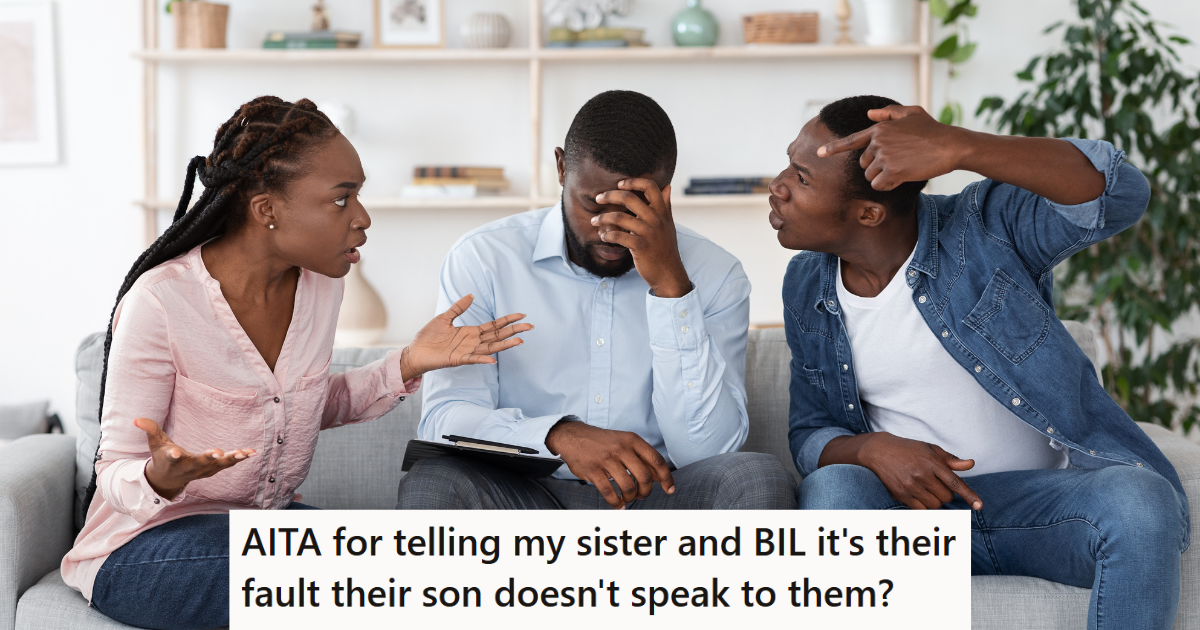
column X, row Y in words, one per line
column 534, row 55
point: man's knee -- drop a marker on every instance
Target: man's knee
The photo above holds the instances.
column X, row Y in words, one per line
column 844, row 487
column 433, row 484
column 1139, row 504
column 750, row 481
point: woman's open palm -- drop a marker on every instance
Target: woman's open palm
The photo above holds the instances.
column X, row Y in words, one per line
column 440, row 344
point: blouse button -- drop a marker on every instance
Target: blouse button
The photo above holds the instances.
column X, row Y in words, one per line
column 156, row 501
column 279, row 440
column 276, row 399
column 271, row 479
column 401, row 399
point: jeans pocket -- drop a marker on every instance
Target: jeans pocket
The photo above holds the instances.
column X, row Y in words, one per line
column 1015, row 321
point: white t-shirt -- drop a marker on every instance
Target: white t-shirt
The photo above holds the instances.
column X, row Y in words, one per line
column 911, row 387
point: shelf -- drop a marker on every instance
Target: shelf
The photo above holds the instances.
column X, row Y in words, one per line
column 664, row 53
column 685, row 202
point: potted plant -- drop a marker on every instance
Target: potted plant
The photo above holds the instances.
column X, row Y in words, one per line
column 1119, row 77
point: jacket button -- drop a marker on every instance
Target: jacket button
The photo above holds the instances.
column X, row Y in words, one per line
column 978, row 369
column 851, row 407
column 912, row 273
column 1140, row 465
column 830, row 303
column 945, row 333
column 276, row 399
column 921, row 299
column 279, row 440
column 1016, row 401
column 1050, row 430
column 271, row 479
column 845, row 366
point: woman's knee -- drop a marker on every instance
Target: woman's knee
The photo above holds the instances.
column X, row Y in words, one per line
column 843, row 487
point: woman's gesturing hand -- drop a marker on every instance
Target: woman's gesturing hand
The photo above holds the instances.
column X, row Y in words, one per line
column 440, row 344
column 172, row 468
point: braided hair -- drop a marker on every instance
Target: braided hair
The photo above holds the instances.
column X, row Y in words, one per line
column 261, row 148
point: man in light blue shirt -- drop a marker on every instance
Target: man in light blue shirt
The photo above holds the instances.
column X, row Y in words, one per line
column 636, row 367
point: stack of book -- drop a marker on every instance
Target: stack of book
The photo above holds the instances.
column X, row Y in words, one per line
column 456, row 182
column 603, row 37
column 728, row 185
column 312, row 39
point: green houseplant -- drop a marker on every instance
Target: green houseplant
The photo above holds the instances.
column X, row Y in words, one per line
column 955, row 49
column 1119, row 77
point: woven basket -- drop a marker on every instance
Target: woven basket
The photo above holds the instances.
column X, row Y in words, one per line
column 200, row 24
column 780, row 28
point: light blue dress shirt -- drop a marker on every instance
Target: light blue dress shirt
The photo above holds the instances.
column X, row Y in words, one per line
column 603, row 349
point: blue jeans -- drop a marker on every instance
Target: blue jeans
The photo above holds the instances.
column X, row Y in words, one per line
column 1117, row 530
column 171, row 577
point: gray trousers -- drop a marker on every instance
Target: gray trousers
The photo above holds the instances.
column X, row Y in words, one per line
column 732, row 481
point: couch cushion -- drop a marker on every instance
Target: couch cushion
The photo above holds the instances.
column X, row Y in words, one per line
column 89, row 362
column 768, row 374
column 52, row 605
column 1006, row 602
column 358, row 466
column 17, row 421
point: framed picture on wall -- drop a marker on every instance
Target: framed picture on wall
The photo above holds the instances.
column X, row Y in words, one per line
column 409, row 24
column 28, row 91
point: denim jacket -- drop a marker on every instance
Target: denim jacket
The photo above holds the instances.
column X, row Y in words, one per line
column 982, row 279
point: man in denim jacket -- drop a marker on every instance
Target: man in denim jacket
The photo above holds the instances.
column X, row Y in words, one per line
column 927, row 361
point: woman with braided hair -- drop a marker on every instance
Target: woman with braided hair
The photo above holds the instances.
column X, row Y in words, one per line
column 216, row 374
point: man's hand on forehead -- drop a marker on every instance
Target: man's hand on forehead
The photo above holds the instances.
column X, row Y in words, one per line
column 648, row 231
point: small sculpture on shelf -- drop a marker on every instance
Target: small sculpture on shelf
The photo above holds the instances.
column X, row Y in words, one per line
column 578, row 15
column 843, row 17
column 320, row 17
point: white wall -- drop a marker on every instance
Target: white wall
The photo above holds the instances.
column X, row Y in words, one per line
column 70, row 232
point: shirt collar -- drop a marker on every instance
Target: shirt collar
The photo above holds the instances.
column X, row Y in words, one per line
column 552, row 239
column 924, row 259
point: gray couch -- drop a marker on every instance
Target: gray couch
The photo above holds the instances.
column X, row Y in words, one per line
column 358, row 467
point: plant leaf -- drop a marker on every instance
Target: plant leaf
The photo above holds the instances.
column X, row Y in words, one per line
column 963, row 53
column 946, row 48
column 939, row 9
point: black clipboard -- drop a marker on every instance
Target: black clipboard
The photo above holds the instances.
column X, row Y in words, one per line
column 519, row 463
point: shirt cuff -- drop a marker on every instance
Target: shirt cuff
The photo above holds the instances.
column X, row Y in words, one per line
column 676, row 323
column 810, row 453
column 150, row 503
column 1105, row 158
column 395, row 380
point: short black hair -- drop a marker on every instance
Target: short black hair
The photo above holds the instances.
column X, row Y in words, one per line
column 623, row 132
column 849, row 116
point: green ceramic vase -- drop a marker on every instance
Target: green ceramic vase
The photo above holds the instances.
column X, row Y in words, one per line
column 694, row 26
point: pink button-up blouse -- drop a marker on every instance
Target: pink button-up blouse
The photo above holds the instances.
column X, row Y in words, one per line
column 180, row 357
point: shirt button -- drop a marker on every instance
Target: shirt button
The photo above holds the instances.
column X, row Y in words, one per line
column 156, row 501
column 978, row 369
column 845, row 366
column 691, row 384
column 401, row 399
column 276, row 399
column 684, row 329
column 279, row 440
column 831, row 304
column 851, row 406
column 1050, row 430
column 1016, row 401
column 599, row 399
column 912, row 273
column 1140, row 465
column 945, row 333
column 604, row 285
column 599, row 342
column 921, row 299
column 1092, row 452
column 683, row 314
column 271, row 479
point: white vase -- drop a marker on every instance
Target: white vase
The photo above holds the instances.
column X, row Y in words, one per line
column 885, row 22
column 486, row 30
column 362, row 320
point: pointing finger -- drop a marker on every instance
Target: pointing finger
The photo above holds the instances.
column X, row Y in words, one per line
column 851, row 142
column 892, row 112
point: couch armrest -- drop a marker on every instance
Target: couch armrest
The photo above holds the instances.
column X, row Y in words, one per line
column 37, row 493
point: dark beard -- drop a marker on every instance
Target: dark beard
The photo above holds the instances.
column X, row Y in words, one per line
column 583, row 256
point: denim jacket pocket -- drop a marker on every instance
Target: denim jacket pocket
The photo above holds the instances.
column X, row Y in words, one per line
column 1009, row 317
column 814, row 378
